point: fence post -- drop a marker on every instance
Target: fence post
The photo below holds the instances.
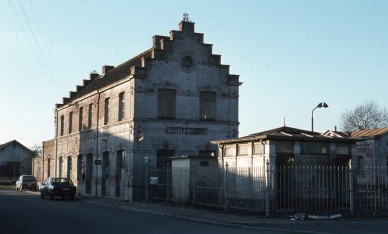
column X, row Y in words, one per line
column 193, row 186
column 146, row 177
column 267, row 181
column 226, row 202
column 168, row 182
column 351, row 197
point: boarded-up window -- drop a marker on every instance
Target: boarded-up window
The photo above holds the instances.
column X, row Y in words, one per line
column 70, row 122
column 230, row 150
column 343, row 149
column 121, row 106
column 69, row 167
column 166, row 103
column 90, row 116
column 208, row 105
column 80, row 118
column 314, row 148
column 106, row 111
column 242, row 149
column 284, row 147
column 80, row 168
column 258, row 148
column 62, row 124
column 60, row 166
column 49, row 167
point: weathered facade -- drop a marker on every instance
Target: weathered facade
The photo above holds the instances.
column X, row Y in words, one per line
column 15, row 159
column 170, row 100
column 286, row 146
column 279, row 156
column 372, row 156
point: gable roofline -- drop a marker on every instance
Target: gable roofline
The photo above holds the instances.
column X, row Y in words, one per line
column 287, row 133
column 115, row 74
column 285, row 129
column 336, row 133
column 5, row 145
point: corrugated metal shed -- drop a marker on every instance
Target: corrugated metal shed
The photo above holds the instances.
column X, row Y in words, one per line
column 369, row 133
column 287, row 133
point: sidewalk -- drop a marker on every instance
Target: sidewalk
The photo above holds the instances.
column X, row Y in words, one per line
column 281, row 224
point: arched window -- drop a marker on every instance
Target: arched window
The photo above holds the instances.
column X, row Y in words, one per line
column 69, row 167
column 80, row 168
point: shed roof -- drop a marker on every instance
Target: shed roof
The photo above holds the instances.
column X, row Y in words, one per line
column 369, row 133
column 287, row 133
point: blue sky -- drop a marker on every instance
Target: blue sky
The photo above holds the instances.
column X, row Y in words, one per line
column 290, row 55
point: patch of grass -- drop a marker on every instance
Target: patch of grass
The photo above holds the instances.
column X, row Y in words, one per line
column 7, row 183
column 8, row 187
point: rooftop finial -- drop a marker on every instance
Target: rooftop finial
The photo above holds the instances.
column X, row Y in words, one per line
column 186, row 17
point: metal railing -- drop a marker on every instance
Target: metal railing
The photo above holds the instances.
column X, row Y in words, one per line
column 273, row 190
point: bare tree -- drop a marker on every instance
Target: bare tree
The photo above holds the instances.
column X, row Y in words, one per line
column 37, row 151
column 365, row 116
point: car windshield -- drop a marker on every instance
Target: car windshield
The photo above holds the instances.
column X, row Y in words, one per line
column 29, row 179
column 61, row 181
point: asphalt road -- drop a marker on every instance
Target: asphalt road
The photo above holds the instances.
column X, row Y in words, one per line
column 26, row 212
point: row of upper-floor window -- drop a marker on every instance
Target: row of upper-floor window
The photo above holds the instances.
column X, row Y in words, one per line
column 81, row 115
column 317, row 148
column 166, row 109
column 167, row 104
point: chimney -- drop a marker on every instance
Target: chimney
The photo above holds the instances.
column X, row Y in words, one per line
column 106, row 69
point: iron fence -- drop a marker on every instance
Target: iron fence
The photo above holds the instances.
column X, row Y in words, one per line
column 270, row 190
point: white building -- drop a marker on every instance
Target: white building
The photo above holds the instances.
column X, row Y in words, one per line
column 170, row 100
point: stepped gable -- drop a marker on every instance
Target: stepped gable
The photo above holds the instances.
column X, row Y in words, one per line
column 136, row 67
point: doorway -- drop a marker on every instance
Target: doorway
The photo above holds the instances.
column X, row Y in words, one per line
column 105, row 174
column 89, row 173
column 119, row 166
column 284, row 179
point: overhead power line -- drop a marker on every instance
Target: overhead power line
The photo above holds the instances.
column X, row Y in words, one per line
column 39, row 54
column 47, row 48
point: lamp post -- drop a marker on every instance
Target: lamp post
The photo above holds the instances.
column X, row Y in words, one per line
column 320, row 105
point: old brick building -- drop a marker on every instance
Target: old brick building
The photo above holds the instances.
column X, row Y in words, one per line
column 170, row 100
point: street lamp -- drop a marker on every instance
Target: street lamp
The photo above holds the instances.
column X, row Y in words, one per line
column 320, row 105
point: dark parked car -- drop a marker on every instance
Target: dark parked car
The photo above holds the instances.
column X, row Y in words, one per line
column 58, row 187
column 26, row 182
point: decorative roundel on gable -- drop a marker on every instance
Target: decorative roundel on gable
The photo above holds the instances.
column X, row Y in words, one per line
column 187, row 62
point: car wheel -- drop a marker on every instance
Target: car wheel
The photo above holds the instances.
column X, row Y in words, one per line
column 71, row 197
column 51, row 196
